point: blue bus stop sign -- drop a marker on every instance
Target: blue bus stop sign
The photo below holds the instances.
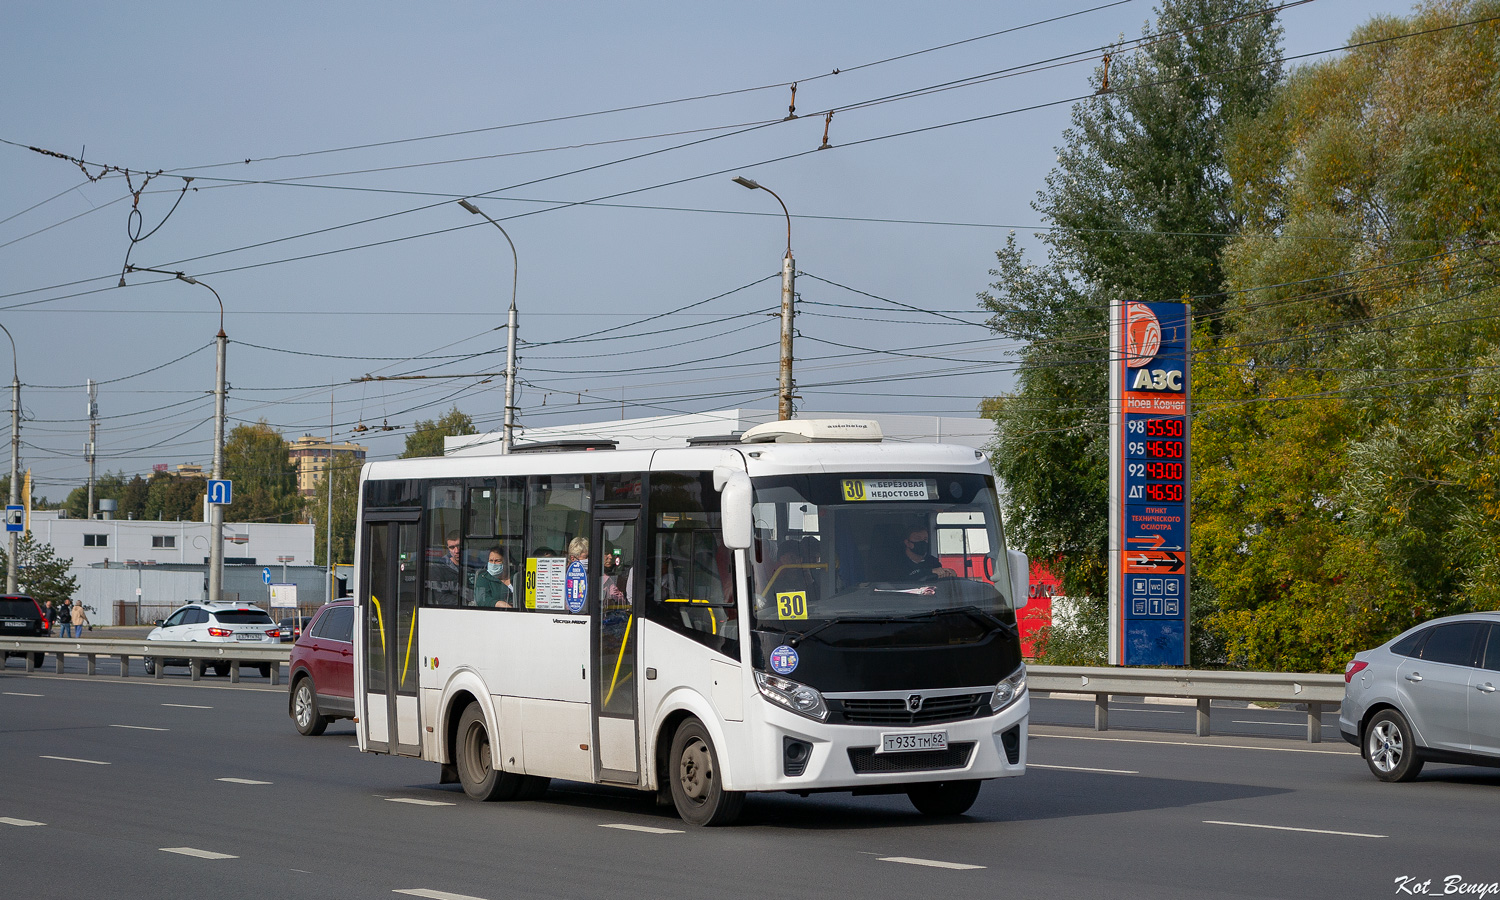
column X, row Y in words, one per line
column 13, row 518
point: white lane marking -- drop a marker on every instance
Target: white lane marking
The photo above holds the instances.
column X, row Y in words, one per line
column 140, row 727
column 24, row 823
column 1079, row 737
column 1032, row 765
column 414, row 801
column 186, row 706
column 242, row 781
column 1290, row 828
column 645, row 829
column 930, row 863
column 92, row 762
column 435, row 895
column 201, row 854
column 20, row 694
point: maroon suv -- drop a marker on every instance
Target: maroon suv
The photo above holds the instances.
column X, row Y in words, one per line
column 21, row 616
column 322, row 669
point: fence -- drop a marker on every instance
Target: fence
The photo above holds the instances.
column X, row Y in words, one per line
column 1314, row 690
column 35, row 650
column 128, row 613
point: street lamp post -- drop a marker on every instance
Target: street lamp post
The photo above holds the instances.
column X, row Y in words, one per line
column 510, row 340
column 15, row 457
column 785, row 385
column 215, row 510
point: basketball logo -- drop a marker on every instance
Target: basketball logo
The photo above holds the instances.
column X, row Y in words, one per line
column 1142, row 335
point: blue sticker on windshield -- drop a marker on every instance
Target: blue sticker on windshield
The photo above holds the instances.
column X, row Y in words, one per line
column 783, row 660
column 577, row 586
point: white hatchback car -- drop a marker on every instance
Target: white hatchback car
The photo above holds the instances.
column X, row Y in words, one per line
column 1431, row 694
column 219, row 623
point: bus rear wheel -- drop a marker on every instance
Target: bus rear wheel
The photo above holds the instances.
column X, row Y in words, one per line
column 697, row 788
column 472, row 753
column 943, row 798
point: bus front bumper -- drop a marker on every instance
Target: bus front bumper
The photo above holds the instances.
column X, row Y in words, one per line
column 800, row 754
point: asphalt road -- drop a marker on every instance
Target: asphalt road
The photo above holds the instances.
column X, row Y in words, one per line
column 138, row 785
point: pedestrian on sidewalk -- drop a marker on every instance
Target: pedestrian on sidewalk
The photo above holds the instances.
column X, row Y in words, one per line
column 80, row 619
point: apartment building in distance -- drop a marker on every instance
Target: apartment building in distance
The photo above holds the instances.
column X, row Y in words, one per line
column 312, row 455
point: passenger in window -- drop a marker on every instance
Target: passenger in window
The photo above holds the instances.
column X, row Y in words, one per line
column 613, row 580
column 578, row 550
column 812, row 549
column 791, row 573
column 445, row 575
column 492, row 587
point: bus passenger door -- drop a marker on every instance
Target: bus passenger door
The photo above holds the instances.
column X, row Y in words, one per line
column 389, row 635
column 612, row 592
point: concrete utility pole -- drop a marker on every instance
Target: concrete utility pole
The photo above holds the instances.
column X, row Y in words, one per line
column 328, row 523
column 216, row 510
column 15, row 458
column 89, row 450
column 786, row 388
column 510, row 340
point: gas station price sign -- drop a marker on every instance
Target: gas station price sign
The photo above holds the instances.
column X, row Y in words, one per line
column 1149, row 488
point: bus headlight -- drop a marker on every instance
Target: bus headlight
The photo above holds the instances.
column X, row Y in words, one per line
column 799, row 698
column 1009, row 690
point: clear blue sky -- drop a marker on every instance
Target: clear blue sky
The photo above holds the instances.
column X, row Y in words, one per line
column 198, row 89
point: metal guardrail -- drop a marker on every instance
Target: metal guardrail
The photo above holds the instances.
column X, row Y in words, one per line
column 1200, row 685
column 195, row 652
column 1203, row 686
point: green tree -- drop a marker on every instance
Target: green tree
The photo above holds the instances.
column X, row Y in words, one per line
column 427, row 438
column 109, row 486
column 259, row 462
column 39, row 573
column 1141, row 201
column 345, row 476
column 1346, row 482
column 172, row 497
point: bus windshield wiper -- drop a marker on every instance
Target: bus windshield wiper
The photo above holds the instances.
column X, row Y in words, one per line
column 842, row 620
column 974, row 612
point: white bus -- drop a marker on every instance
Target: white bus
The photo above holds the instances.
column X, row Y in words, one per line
column 807, row 609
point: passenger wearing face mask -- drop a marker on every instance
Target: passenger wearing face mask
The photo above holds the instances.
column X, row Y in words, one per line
column 492, row 586
column 916, row 562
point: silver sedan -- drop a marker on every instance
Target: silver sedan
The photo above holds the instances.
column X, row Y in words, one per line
column 1429, row 694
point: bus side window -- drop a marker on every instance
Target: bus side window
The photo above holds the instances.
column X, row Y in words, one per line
column 559, row 510
column 496, row 516
column 689, row 575
column 443, row 582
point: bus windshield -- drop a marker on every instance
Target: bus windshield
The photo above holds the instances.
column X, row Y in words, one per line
column 875, row 547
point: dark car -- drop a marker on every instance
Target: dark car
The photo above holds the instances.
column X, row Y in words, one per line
column 21, row 616
column 291, row 628
column 322, row 669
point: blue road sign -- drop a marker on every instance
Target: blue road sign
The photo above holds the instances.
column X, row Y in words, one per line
column 265, row 574
column 14, row 518
column 220, row 492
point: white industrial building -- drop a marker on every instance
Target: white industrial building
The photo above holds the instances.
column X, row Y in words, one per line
column 165, row 563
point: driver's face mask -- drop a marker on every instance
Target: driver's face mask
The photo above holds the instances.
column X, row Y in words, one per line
column 919, row 547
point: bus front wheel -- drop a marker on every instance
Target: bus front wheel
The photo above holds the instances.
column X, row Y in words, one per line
column 943, row 798
column 697, row 788
column 476, row 771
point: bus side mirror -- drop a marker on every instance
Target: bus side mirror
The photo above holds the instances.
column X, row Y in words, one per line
column 734, row 507
column 1020, row 577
